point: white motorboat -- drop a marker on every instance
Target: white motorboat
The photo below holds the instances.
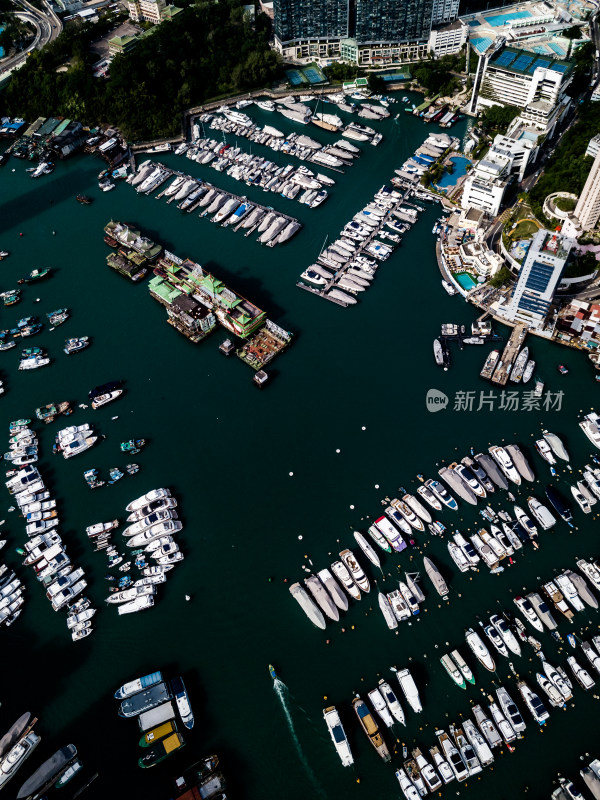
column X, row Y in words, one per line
column 338, row 735
column 409, row 688
column 333, row 587
column 581, row 675
column 16, row 757
column 525, row 522
column 550, row 690
column 137, row 604
column 533, row 702
column 392, row 702
column 459, row 558
column 556, row 444
column 542, row 610
column 505, row 632
column 478, row 743
column 307, row 605
column 525, row 607
column 557, row 679
column 367, row 549
column 591, row 655
column 399, row 605
column 409, row 790
column 466, row 750
column 149, row 497
column 541, row 513
column 358, row 576
column 322, row 597
column 510, row 710
column 387, row 611
column 380, row 707
column 452, row 756
column 505, row 462
column 545, row 451
column 581, row 500
column 432, row 780
column 480, row 650
column 441, row 765
column 569, row 591
column 506, row 729
column 495, row 638
column 590, row 425
column 591, row 571
column 419, row 509
column 487, row 727
column 343, row 575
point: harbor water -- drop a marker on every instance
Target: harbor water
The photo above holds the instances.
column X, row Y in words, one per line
column 269, row 482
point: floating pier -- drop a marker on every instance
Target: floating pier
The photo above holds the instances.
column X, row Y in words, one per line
column 514, row 344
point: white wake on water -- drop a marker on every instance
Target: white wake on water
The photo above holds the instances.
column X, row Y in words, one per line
column 283, row 693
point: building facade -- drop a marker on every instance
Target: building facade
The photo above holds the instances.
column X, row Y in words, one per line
column 593, row 147
column 444, row 11
column 365, row 32
column 587, row 209
column 538, row 280
column 447, row 39
column 154, row 11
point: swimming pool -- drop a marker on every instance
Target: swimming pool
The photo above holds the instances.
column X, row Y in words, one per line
column 1, row 48
column 460, row 169
column 501, row 19
column 465, row 280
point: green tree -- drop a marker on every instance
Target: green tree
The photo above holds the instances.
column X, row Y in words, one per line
column 496, row 119
column 500, row 278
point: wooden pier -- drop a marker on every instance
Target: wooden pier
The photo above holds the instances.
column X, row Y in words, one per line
column 514, row 344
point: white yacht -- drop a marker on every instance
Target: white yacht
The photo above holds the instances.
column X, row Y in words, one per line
column 392, row 701
column 480, row 650
column 545, row 451
column 510, row 710
column 505, row 462
column 16, row 756
column 137, row 604
column 590, row 425
column 343, row 575
column 569, row 591
column 487, row 727
column 534, row 703
column 409, row 688
column 478, row 743
column 452, row 756
column 581, row 675
column 558, row 680
column 358, row 576
column 550, row 690
column 149, row 497
column 409, row 790
column 338, row 735
column 591, row 571
column 581, row 500
column 380, row 707
column 432, row 780
column 367, row 549
column 541, row 513
column 333, row 587
column 525, row 607
column 505, row 632
column 506, row 729
column 387, row 611
column 556, row 444
column 322, row 597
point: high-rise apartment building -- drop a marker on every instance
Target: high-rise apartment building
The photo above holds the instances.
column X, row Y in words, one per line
column 587, row 209
column 368, row 32
column 310, row 19
column 444, row 11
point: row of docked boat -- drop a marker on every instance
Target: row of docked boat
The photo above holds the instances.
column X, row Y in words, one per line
column 347, row 266
column 153, row 701
column 237, row 212
column 153, row 524
column 45, row 551
column 432, row 149
column 18, row 744
column 74, row 439
column 334, row 156
column 291, row 183
column 11, row 593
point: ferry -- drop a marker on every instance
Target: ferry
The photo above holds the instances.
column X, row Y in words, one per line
column 138, row 685
column 338, row 735
column 453, row 671
column 183, row 703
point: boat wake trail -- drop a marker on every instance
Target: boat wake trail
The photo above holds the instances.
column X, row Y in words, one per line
column 283, row 693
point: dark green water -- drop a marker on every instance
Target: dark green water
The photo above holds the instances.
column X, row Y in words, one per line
column 226, row 451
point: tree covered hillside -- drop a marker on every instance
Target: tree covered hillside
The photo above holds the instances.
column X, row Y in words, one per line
column 207, row 50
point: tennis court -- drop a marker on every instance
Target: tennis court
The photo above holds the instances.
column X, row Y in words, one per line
column 314, row 75
column 295, row 77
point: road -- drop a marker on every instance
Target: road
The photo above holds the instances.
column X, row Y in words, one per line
column 47, row 26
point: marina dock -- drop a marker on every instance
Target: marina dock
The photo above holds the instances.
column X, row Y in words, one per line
column 514, row 344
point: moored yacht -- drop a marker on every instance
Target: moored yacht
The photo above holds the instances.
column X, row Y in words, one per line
column 480, row 650
column 307, row 605
column 358, row 576
column 392, row 702
column 370, row 728
column 504, row 461
column 409, row 688
column 534, row 703
column 510, row 710
column 338, row 735
column 453, row 756
column 343, row 575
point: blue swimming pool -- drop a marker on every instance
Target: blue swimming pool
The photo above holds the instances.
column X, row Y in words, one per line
column 1, row 48
column 460, row 169
column 465, row 280
column 501, row 19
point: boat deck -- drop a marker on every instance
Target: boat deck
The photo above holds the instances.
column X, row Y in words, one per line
column 514, row 344
column 266, row 343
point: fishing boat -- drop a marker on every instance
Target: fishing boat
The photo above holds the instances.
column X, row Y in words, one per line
column 370, row 728
column 409, row 688
column 76, row 345
column 480, row 650
column 132, row 446
column 338, row 735
column 453, row 671
column 57, row 317
column 35, row 275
